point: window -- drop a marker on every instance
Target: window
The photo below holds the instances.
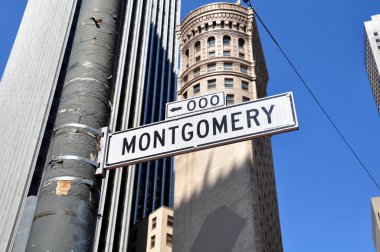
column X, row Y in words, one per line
column 197, row 72
column 169, row 240
column 375, row 34
column 154, row 222
column 152, row 241
column 377, row 40
column 197, row 88
column 245, row 85
column 211, row 67
column 241, row 43
column 226, row 53
column 230, row 99
column 211, row 83
column 187, row 53
column 226, row 40
column 244, row 69
column 228, row 82
column 185, row 79
column 245, row 99
column 222, row 24
column 241, row 55
column 170, row 221
column 228, row 66
column 184, row 95
column 211, row 54
column 197, row 46
column 198, row 58
column 211, row 42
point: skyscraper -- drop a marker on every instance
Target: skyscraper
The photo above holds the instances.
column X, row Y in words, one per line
column 372, row 55
column 144, row 80
column 27, row 93
column 147, row 71
column 225, row 198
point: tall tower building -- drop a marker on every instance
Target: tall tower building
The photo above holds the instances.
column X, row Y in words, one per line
column 144, row 80
column 372, row 55
column 225, row 198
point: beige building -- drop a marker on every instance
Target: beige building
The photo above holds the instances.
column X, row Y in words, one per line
column 225, row 198
column 376, row 222
column 154, row 233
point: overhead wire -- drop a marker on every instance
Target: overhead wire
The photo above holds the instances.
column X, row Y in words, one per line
column 313, row 96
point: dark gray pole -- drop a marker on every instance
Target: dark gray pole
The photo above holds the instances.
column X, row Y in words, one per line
column 66, row 212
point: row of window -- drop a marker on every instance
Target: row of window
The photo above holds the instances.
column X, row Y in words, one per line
column 227, row 66
column 211, row 41
column 169, row 240
column 170, row 221
column 228, row 83
column 223, row 24
column 226, row 53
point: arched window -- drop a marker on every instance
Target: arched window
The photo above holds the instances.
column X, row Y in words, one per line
column 187, row 54
column 197, row 46
column 241, row 43
column 211, row 42
column 226, row 40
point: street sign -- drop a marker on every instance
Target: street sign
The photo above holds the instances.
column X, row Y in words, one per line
column 267, row 116
column 196, row 104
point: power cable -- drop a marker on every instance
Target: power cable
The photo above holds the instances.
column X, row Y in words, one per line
column 312, row 94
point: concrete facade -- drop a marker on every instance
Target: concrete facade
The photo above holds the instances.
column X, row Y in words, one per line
column 375, row 209
column 27, row 92
column 372, row 55
column 225, row 198
column 155, row 233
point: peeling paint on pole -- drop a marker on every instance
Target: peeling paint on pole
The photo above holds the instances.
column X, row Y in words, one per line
column 63, row 188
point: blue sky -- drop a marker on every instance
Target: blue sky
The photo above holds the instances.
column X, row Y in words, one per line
column 324, row 195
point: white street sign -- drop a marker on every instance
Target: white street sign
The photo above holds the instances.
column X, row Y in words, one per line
column 267, row 116
column 196, row 104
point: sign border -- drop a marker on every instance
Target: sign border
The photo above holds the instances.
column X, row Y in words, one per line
column 207, row 145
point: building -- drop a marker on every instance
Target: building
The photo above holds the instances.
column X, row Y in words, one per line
column 27, row 92
column 372, row 55
column 145, row 79
column 225, row 198
column 375, row 209
column 149, row 62
column 154, row 233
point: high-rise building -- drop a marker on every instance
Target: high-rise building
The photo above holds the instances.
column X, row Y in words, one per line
column 28, row 92
column 144, row 80
column 225, row 198
column 372, row 55
column 375, row 209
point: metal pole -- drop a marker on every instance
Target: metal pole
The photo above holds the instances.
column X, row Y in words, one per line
column 66, row 212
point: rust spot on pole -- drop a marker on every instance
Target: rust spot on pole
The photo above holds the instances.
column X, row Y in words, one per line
column 63, row 187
